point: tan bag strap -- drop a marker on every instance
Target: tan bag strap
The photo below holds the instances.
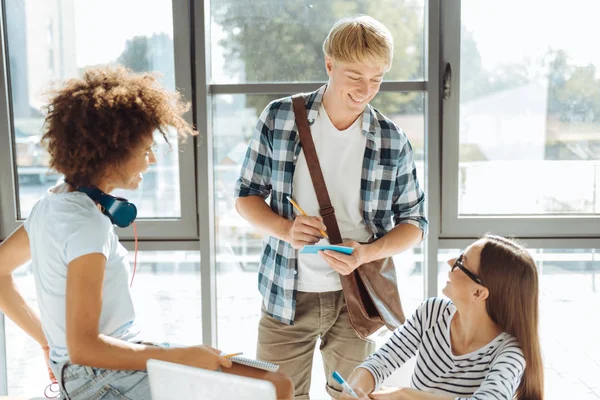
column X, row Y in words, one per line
column 314, row 167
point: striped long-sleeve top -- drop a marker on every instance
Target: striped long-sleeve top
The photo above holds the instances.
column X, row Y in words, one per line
column 491, row 372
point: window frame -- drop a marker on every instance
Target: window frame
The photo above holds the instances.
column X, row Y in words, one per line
column 182, row 228
column 207, row 90
column 454, row 225
column 196, row 230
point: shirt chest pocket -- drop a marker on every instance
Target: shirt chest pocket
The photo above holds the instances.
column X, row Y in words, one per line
column 286, row 152
column 385, row 181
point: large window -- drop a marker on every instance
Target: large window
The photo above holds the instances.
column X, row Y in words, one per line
column 524, row 116
column 499, row 101
column 529, row 112
column 49, row 42
column 281, row 41
column 57, row 40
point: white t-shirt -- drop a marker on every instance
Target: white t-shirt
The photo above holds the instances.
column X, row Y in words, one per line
column 341, row 155
column 61, row 228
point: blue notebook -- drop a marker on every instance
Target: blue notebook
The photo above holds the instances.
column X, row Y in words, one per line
column 314, row 249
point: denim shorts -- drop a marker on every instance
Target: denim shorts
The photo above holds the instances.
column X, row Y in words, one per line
column 79, row 382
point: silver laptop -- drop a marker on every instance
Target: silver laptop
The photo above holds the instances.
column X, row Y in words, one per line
column 175, row 381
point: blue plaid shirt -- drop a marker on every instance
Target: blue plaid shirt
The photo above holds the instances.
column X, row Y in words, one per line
column 390, row 193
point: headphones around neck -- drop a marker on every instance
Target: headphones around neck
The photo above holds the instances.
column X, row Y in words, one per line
column 121, row 212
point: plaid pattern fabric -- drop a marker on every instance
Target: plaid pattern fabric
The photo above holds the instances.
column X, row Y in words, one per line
column 390, row 193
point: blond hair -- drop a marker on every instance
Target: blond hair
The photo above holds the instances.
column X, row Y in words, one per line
column 360, row 39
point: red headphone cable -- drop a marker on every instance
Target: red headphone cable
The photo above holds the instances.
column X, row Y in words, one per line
column 135, row 238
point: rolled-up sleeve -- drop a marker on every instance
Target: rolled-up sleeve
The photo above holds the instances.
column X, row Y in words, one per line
column 255, row 175
column 409, row 199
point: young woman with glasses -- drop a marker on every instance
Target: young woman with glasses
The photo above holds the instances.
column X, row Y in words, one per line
column 481, row 344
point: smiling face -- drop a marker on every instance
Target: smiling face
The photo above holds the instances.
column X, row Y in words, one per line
column 460, row 286
column 353, row 85
column 129, row 174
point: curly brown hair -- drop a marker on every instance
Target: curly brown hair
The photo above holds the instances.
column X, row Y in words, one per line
column 94, row 123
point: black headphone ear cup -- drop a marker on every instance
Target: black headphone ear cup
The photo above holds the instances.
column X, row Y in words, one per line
column 121, row 212
column 109, row 215
column 124, row 214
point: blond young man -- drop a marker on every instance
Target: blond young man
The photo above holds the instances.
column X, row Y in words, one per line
column 369, row 171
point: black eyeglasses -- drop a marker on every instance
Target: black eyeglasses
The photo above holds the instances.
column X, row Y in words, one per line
column 458, row 263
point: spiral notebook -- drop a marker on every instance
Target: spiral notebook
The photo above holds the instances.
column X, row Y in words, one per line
column 250, row 362
column 264, row 365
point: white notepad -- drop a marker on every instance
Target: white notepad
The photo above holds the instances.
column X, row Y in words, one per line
column 264, row 365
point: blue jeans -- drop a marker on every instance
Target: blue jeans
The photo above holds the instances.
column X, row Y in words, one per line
column 79, row 382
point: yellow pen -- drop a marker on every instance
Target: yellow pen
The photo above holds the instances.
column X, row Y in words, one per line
column 232, row 355
column 301, row 211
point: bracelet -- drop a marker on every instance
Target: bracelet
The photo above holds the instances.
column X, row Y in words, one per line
column 46, row 348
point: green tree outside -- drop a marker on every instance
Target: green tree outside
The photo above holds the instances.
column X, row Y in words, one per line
column 281, row 41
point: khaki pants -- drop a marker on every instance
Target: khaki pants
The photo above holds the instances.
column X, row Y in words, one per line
column 321, row 315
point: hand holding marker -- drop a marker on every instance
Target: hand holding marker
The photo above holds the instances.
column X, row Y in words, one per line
column 338, row 378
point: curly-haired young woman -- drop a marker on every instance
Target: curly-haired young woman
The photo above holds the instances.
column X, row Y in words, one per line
column 99, row 133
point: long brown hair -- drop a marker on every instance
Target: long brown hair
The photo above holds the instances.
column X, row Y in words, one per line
column 510, row 274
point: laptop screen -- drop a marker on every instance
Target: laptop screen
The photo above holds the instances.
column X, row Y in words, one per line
column 175, row 381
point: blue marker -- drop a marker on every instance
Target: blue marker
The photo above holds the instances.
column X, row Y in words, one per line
column 338, row 378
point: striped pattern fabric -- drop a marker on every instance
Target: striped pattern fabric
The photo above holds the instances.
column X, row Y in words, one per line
column 491, row 372
column 390, row 193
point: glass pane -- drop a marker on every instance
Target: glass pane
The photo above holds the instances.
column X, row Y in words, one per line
column 239, row 245
column 55, row 40
column 167, row 300
column 158, row 194
column 569, row 290
column 281, row 41
column 529, row 109
column 443, row 268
